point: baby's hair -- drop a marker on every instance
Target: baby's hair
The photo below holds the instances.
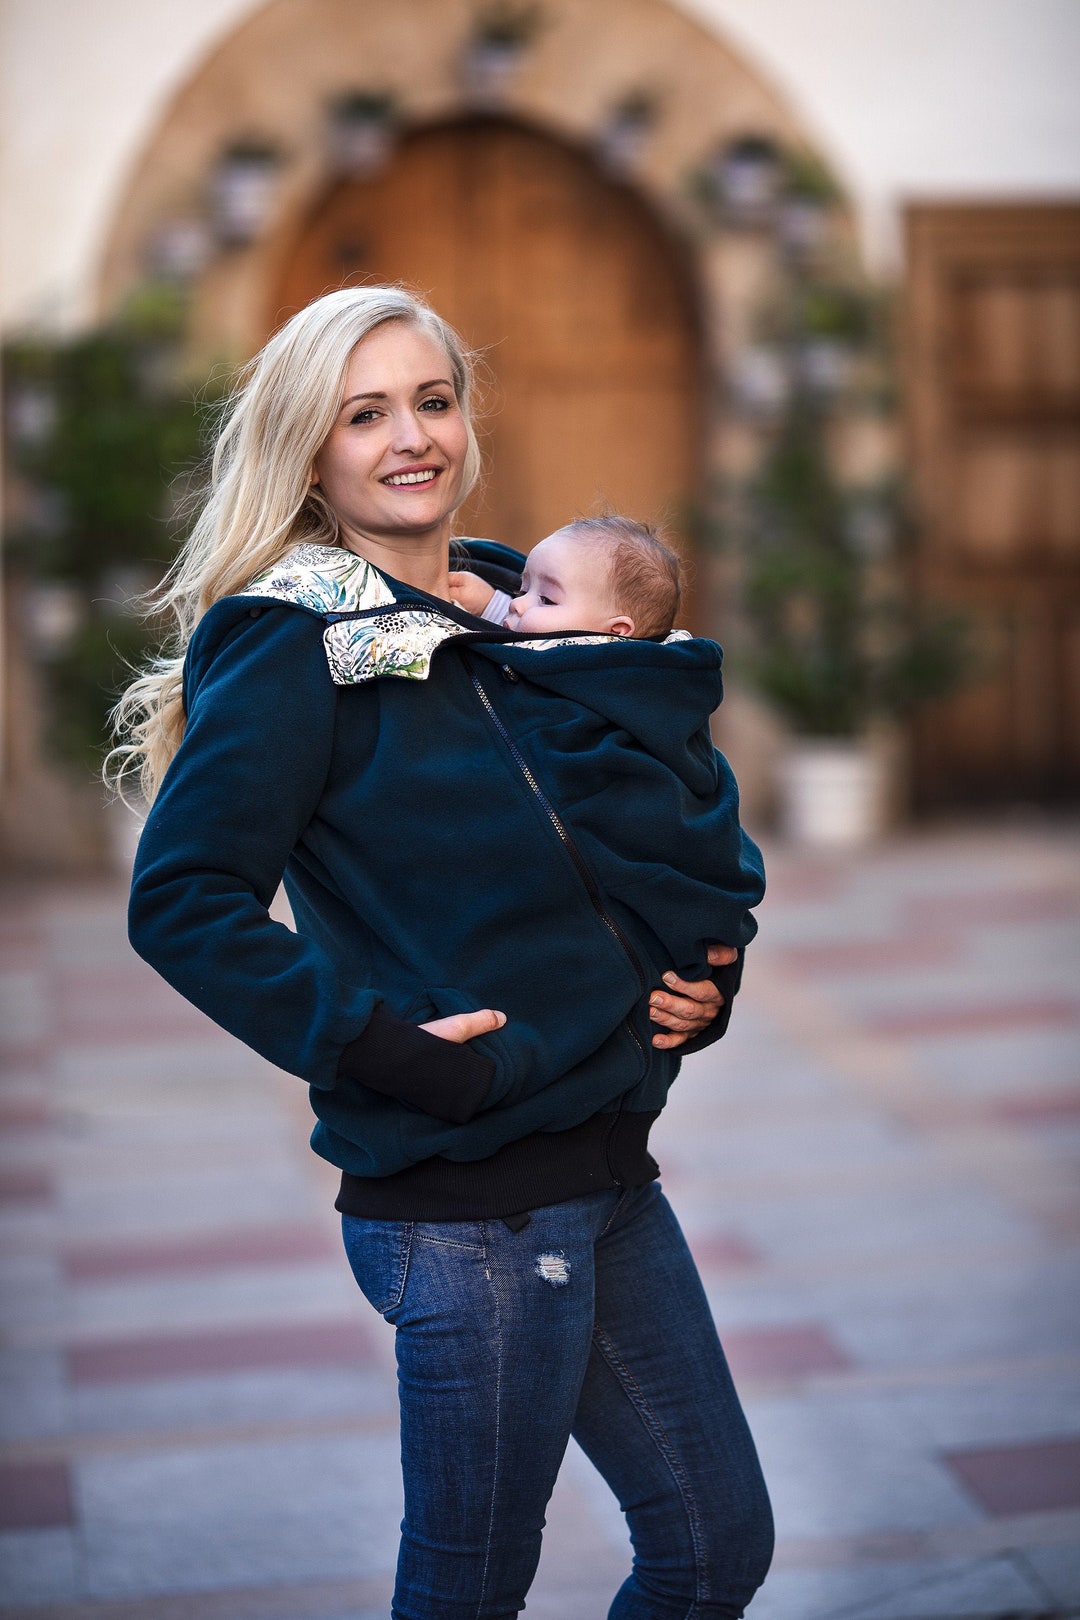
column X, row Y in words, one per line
column 645, row 574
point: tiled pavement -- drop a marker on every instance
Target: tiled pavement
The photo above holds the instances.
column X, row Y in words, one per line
column 877, row 1170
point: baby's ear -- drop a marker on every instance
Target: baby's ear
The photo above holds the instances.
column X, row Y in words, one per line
column 622, row 626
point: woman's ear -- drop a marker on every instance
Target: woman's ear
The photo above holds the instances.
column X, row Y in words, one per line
column 622, row 626
column 313, row 477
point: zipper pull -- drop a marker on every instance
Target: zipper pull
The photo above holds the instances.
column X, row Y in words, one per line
column 510, row 674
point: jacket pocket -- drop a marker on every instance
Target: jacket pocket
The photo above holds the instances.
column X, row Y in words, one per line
column 378, row 1252
column 498, row 1045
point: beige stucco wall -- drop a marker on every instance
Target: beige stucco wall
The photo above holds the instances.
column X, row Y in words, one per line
column 907, row 97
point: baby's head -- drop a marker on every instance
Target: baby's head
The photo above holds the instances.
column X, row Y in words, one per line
column 607, row 573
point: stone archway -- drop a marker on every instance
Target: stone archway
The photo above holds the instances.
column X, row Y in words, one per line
column 580, row 303
column 275, row 77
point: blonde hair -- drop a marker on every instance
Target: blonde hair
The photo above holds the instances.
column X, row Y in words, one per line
column 260, row 502
column 644, row 574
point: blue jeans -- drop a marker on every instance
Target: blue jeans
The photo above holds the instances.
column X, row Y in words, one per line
column 590, row 1321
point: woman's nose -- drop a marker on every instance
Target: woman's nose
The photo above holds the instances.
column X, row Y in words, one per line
column 410, row 435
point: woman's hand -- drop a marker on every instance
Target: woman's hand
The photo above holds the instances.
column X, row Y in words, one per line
column 462, row 1027
column 684, row 1009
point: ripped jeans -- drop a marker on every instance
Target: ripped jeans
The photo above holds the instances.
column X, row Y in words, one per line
column 590, row 1321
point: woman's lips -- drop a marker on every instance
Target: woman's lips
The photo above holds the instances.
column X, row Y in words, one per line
column 412, row 478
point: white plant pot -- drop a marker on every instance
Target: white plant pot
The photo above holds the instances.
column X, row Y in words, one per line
column 833, row 793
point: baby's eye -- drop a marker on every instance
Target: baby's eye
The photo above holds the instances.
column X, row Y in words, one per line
column 547, row 601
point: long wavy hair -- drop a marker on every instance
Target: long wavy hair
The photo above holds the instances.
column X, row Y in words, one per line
column 259, row 502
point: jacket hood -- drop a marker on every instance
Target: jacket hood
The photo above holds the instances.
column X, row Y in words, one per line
column 660, row 693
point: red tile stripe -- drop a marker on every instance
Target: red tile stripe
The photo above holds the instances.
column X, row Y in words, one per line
column 871, row 955
column 974, row 1020
column 25, row 1187
column 208, row 1251
column 1000, row 907
column 1049, row 1108
column 1040, row 1476
column 306, row 1344
column 35, row 1495
column 723, row 1251
column 783, row 1352
column 26, row 1115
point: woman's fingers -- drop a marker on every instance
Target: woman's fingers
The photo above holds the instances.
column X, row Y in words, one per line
column 461, row 1027
column 684, row 1008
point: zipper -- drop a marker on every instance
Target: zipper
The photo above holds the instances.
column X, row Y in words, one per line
column 571, row 849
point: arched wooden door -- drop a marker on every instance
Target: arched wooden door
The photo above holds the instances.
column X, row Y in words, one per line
column 572, row 290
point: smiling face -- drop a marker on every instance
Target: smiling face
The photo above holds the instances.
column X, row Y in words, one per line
column 392, row 464
column 567, row 586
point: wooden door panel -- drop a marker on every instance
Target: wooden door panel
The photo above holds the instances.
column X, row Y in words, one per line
column 1015, row 503
column 575, row 297
column 994, row 397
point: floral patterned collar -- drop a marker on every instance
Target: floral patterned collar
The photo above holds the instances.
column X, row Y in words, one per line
column 387, row 640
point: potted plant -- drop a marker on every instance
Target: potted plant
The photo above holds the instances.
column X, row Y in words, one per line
column 809, row 195
column 493, row 53
column 739, row 185
column 830, row 635
column 361, row 126
column 94, row 468
column 624, row 133
column 833, row 323
column 242, row 189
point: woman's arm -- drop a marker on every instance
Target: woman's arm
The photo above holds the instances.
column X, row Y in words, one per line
column 245, row 784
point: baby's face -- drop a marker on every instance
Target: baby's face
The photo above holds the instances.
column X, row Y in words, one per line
column 565, row 587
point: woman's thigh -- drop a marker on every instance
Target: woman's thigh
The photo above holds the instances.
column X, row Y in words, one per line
column 659, row 1417
column 493, row 1339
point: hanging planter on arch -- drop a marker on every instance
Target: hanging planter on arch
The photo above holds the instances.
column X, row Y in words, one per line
column 495, row 51
column 243, row 189
column 361, row 129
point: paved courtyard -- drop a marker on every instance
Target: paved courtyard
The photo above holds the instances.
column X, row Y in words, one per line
column 877, row 1170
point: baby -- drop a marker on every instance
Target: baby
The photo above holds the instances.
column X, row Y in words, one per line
column 606, row 574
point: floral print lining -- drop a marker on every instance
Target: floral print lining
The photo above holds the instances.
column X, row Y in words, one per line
column 401, row 641
column 326, row 579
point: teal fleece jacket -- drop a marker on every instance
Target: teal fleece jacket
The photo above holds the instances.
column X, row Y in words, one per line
column 463, row 818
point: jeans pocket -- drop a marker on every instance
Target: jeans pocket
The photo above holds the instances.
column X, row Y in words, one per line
column 378, row 1252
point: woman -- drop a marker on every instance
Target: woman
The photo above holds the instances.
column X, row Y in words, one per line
column 499, row 1202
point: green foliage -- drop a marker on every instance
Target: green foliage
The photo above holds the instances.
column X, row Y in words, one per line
column 506, row 24
column 360, row 106
column 830, row 641
column 840, row 312
column 98, row 457
column 807, row 178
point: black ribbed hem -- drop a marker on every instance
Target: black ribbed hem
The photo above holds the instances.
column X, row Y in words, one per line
column 548, row 1167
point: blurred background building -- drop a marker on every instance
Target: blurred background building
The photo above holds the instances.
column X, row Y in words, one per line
column 801, row 281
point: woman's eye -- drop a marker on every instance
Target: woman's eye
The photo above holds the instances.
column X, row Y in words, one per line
column 368, row 414
column 435, row 403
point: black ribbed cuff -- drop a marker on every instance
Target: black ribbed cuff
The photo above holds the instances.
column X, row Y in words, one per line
column 447, row 1079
